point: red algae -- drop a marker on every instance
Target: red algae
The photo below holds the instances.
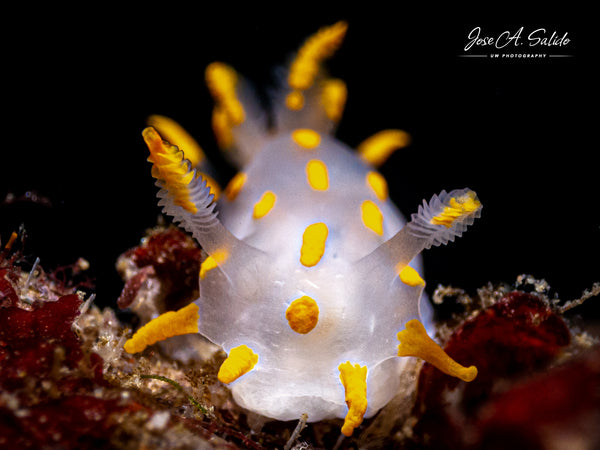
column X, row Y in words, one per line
column 516, row 337
column 172, row 257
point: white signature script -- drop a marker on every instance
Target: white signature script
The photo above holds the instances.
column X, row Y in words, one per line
column 539, row 36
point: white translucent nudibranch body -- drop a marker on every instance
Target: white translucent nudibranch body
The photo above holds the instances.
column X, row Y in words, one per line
column 310, row 281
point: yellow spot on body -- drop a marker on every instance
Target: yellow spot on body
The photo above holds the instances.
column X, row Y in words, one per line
column 241, row 360
column 170, row 167
column 176, row 135
column 457, row 207
column 235, row 186
column 411, row 277
column 313, row 244
column 169, row 324
column 212, row 262
column 222, row 81
column 354, row 379
column 302, row 314
column 295, row 100
column 372, row 217
column 317, row 176
column 264, row 205
column 306, row 138
column 377, row 183
column 316, row 49
column 377, row 149
column 334, row 98
column 414, row 341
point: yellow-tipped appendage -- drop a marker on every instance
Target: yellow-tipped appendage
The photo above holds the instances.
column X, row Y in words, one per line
column 241, row 360
column 168, row 166
column 315, row 50
column 457, row 207
column 222, row 80
column 414, row 341
column 176, row 135
column 228, row 112
column 376, row 149
column 354, row 379
column 169, row 324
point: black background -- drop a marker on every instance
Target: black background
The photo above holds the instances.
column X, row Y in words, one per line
column 80, row 84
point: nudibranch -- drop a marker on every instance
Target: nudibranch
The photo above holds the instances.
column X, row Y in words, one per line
column 306, row 282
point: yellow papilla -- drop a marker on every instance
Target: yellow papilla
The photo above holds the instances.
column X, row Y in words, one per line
column 306, row 138
column 222, row 127
column 334, row 98
column 372, row 217
column 303, row 314
column 377, row 183
column 212, row 262
column 457, row 207
column 264, row 205
column 168, row 166
column 235, row 186
column 222, row 82
column 414, row 341
column 313, row 244
column 354, row 379
column 317, row 175
column 316, row 49
column 410, row 277
column 176, row 135
column 241, row 360
column 169, row 324
column 378, row 148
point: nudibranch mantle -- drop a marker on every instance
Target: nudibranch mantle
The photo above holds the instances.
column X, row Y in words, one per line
column 310, row 282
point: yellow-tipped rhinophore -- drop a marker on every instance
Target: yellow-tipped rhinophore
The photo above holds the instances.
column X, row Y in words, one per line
column 414, row 341
column 303, row 314
column 241, row 360
column 169, row 324
column 168, row 166
column 457, row 207
column 354, row 379
column 378, row 148
column 315, row 50
column 176, row 135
